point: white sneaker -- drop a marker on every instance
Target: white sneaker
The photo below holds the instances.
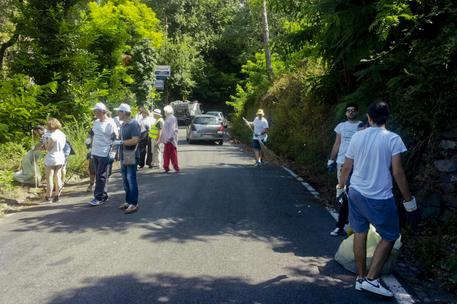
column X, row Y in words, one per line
column 95, row 203
column 376, row 287
column 358, row 283
column 338, row 231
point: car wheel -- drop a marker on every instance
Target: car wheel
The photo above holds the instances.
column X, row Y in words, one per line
column 221, row 142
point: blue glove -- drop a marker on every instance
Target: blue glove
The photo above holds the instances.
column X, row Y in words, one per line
column 331, row 166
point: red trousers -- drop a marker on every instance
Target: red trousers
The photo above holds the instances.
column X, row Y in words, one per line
column 170, row 153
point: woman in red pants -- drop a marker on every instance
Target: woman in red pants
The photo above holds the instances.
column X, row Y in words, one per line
column 169, row 137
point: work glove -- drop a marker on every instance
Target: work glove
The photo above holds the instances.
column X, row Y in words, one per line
column 331, row 166
column 340, row 191
column 118, row 143
column 412, row 212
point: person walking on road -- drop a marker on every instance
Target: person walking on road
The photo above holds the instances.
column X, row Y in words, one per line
column 169, row 138
column 344, row 132
column 130, row 137
column 54, row 159
column 145, row 146
column 260, row 125
column 371, row 154
column 104, row 133
column 154, row 134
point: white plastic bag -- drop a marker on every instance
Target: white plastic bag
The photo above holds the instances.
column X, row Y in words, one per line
column 345, row 253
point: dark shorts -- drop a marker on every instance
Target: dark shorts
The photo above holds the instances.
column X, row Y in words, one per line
column 256, row 145
column 382, row 214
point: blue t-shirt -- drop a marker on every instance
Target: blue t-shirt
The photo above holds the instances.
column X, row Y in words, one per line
column 128, row 131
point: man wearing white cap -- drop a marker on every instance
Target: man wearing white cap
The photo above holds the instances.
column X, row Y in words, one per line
column 154, row 134
column 260, row 126
column 130, row 136
column 104, row 132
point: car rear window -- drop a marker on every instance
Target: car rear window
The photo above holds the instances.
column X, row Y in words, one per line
column 205, row 121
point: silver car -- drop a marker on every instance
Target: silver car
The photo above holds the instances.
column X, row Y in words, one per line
column 205, row 128
column 220, row 117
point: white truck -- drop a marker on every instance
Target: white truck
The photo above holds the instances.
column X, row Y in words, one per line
column 185, row 110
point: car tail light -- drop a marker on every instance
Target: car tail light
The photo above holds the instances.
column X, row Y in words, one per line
column 221, row 129
column 192, row 127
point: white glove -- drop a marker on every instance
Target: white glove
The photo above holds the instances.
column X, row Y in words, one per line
column 330, row 162
column 118, row 142
column 339, row 191
column 411, row 205
column 88, row 141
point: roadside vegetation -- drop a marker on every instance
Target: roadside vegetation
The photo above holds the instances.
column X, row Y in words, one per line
column 57, row 58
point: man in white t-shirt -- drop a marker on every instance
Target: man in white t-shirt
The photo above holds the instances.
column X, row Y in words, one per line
column 344, row 132
column 260, row 128
column 104, row 132
column 371, row 154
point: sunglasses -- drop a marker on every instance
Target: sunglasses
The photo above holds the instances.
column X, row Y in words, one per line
column 351, row 110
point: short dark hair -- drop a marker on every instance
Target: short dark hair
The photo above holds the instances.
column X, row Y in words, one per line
column 36, row 128
column 379, row 112
column 352, row 105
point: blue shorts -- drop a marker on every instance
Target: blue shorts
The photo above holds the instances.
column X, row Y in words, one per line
column 256, row 145
column 382, row 214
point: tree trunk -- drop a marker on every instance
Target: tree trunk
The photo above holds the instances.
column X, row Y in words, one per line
column 266, row 40
column 5, row 46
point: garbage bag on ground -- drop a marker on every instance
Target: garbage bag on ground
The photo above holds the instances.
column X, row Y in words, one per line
column 30, row 172
column 345, row 254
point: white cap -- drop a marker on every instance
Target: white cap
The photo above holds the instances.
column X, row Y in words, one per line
column 157, row 112
column 100, row 107
column 123, row 107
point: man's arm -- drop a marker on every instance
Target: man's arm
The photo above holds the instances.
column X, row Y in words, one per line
column 132, row 141
column 336, row 147
column 400, row 177
column 348, row 163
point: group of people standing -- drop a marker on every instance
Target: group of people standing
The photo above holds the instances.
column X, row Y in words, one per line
column 135, row 142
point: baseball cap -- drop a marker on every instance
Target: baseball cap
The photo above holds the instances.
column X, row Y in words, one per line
column 100, row 107
column 123, row 107
column 157, row 112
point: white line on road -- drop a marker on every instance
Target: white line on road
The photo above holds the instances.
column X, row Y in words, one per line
column 400, row 294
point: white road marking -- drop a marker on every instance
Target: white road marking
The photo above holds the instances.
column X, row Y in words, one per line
column 400, row 294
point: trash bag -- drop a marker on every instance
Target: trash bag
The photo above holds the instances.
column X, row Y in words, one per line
column 28, row 173
column 345, row 253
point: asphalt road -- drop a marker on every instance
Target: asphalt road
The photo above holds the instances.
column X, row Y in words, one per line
column 222, row 231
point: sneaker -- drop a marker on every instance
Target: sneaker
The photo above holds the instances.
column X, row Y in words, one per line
column 131, row 209
column 257, row 164
column 338, row 231
column 95, row 202
column 376, row 287
column 56, row 199
column 89, row 188
column 47, row 199
column 105, row 199
column 123, row 206
column 358, row 283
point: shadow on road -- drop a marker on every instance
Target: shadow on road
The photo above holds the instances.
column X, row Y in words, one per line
column 171, row 288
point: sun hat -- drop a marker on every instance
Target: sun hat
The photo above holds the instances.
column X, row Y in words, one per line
column 157, row 112
column 260, row 112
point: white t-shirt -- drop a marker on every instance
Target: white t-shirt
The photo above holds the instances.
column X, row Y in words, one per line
column 259, row 126
column 372, row 150
column 103, row 137
column 55, row 156
column 346, row 130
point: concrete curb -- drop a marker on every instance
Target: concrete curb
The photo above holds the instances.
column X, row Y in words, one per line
column 400, row 294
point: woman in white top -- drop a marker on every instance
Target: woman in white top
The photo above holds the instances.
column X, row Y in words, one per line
column 54, row 159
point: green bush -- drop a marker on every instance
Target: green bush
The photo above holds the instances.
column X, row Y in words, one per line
column 76, row 133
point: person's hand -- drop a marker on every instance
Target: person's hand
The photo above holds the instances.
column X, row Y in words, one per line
column 118, row 142
column 339, row 191
column 331, row 166
column 413, row 215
